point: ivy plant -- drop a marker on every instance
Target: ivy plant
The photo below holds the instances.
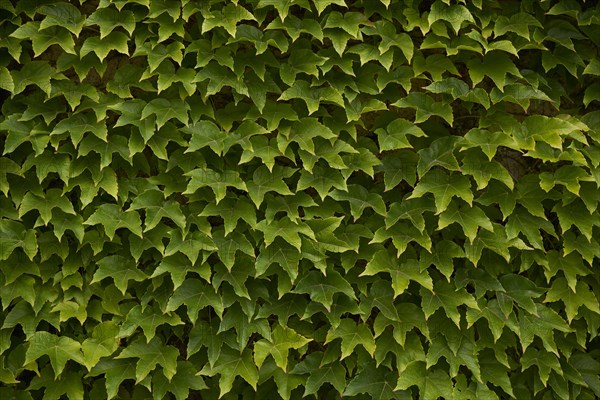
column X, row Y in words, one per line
column 260, row 199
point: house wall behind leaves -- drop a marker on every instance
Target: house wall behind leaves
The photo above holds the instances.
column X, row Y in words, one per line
column 319, row 199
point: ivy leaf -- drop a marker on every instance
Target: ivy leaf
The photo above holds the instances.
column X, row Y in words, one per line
column 426, row 107
column 149, row 356
column 442, row 257
column 230, row 365
column 402, row 234
column 79, row 124
column 13, row 234
column 412, row 210
column 322, row 179
column 166, row 109
column 433, row 384
column 321, row 289
column 469, row 218
column 36, row 73
column 42, row 38
column 576, row 214
column 64, row 15
column 544, row 360
column 111, row 217
column 148, row 319
column 487, row 141
column 155, row 206
column 439, row 154
column 122, row 269
column 181, row 383
column 286, row 229
column 572, row 299
column 496, row 65
column 394, row 136
column 445, row 295
column 206, row 335
column 102, row 46
column 264, row 181
column 115, row 372
column 378, row 382
column 232, row 210
column 522, row 291
column 443, row 186
column 228, row 17
column 196, row 295
column 359, row 199
column 103, row 342
column 108, row 19
column 401, row 273
column 59, row 349
column 52, row 199
column 352, row 335
column 321, row 372
column 283, row 339
column 400, row 167
column 217, row 181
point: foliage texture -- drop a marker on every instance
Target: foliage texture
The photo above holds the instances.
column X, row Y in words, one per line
column 266, row 199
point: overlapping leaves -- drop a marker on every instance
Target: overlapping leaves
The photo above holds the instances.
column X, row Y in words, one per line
column 368, row 199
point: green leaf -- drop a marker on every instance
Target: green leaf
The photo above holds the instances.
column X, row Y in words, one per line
column 108, row 19
column 115, row 371
column 79, row 124
column 377, row 382
column 544, row 360
column 264, row 181
column 228, row 17
column 148, row 319
column 426, row 107
column 394, row 135
column 36, row 73
column 64, row 15
column 116, row 41
column 359, row 199
column 320, row 373
column 445, row 295
column 217, row 181
column 166, row 109
column 45, row 204
column 111, row 217
column 103, row 342
column 352, row 335
column 13, row 235
column 433, row 384
column 59, row 349
column 469, row 218
column 322, row 288
column 401, row 272
column 522, row 291
column 443, row 186
column 181, row 383
column 196, row 295
column 122, row 269
column 439, row 154
column 156, row 207
column 282, row 340
column 230, row 365
column 150, row 355
column 286, row 229
column 42, row 38
column 572, row 299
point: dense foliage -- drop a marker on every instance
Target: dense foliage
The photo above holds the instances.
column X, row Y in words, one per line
column 256, row 199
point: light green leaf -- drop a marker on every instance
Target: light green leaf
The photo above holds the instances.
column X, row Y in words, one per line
column 59, row 349
column 150, row 355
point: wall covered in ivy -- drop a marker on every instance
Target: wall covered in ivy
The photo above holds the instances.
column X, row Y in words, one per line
column 262, row 199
